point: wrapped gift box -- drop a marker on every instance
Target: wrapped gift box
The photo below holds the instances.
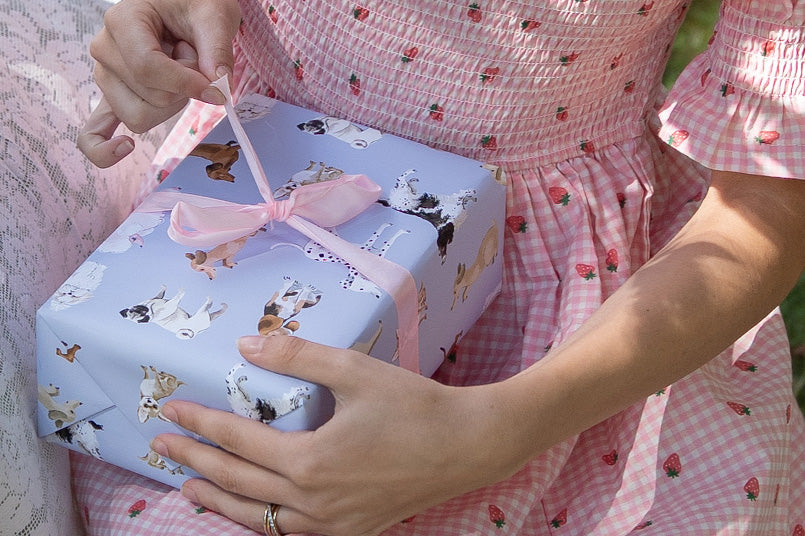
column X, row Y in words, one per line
column 145, row 319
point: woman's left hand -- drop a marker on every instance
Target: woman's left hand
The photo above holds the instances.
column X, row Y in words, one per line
column 397, row 444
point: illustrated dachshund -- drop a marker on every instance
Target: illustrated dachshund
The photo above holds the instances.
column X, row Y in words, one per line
column 221, row 157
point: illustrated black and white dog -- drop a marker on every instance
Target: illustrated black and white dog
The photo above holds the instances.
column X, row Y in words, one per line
column 167, row 314
column 284, row 304
column 342, row 129
column 155, row 386
column 444, row 211
column 259, row 409
column 83, row 435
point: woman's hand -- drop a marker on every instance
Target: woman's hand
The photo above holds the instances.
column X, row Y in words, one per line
column 152, row 55
column 397, row 444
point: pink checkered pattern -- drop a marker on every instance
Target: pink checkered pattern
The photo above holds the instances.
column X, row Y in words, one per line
column 592, row 194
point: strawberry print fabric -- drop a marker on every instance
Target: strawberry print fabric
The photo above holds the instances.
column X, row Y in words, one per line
column 566, row 97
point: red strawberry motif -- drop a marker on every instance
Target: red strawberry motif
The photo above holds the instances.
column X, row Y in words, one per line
column 162, row 175
column 798, row 530
column 612, row 260
column 678, row 137
column 645, row 8
column 408, row 519
column 629, row 86
column 587, row 146
column 355, row 84
column 559, row 195
column 752, row 489
column 496, row 516
column 528, row 25
column 644, row 525
column 745, row 366
column 788, row 414
column 409, row 54
column 489, row 142
column 586, row 271
column 360, row 13
column 272, row 14
column 436, row 112
column 474, row 12
column 615, row 61
column 767, row 48
column 672, row 466
column 567, row 59
column 740, row 409
column 705, row 74
column 136, row 508
column 727, row 89
column 621, row 199
column 560, row 519
column 712, row 38
column 611, row 458
column 299, row 70
column 270, row 93
column 767, row 137
column 488, row 75
column 561, row 113
column 517, row 224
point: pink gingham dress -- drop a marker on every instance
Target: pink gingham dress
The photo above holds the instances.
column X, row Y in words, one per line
column 564, row 95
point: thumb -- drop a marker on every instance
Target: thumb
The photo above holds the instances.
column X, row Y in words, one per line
column 293, row 356
column 97, row 140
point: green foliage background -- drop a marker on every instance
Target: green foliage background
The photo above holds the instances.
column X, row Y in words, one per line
column 692, row 38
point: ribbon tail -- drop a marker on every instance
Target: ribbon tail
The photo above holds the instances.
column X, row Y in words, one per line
column 391, row 277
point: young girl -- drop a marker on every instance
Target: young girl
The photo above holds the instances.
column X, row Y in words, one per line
column 634, row 373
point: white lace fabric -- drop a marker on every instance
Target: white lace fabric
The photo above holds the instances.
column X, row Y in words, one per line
column 55, row 208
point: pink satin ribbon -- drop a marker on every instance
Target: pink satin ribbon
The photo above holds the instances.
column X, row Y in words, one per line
column 205, row 222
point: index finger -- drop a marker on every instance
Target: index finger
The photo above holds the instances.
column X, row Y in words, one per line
column 97, row 141
column 249, row 439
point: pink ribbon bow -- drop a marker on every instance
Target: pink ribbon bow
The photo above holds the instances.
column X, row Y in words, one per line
column 203, row 222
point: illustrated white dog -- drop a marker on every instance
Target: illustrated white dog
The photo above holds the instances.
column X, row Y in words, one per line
column 152, row 390
column 60, row 413
column 79, row 287
column 167, row 314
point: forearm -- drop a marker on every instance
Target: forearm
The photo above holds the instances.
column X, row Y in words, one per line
column 728, row 267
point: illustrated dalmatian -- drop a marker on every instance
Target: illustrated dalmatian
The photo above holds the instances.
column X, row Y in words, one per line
column 354, row 280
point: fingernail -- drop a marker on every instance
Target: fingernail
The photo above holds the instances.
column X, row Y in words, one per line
column 123, row 148
column 168, row 412
column 223, row 70
column 212, row 95
column 251, row 344
column 189, row 494
column 159, row 447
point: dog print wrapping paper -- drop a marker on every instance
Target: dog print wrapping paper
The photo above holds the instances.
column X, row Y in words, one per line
column 145, row 319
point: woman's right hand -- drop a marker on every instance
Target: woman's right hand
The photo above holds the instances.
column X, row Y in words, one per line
column 152, row 55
